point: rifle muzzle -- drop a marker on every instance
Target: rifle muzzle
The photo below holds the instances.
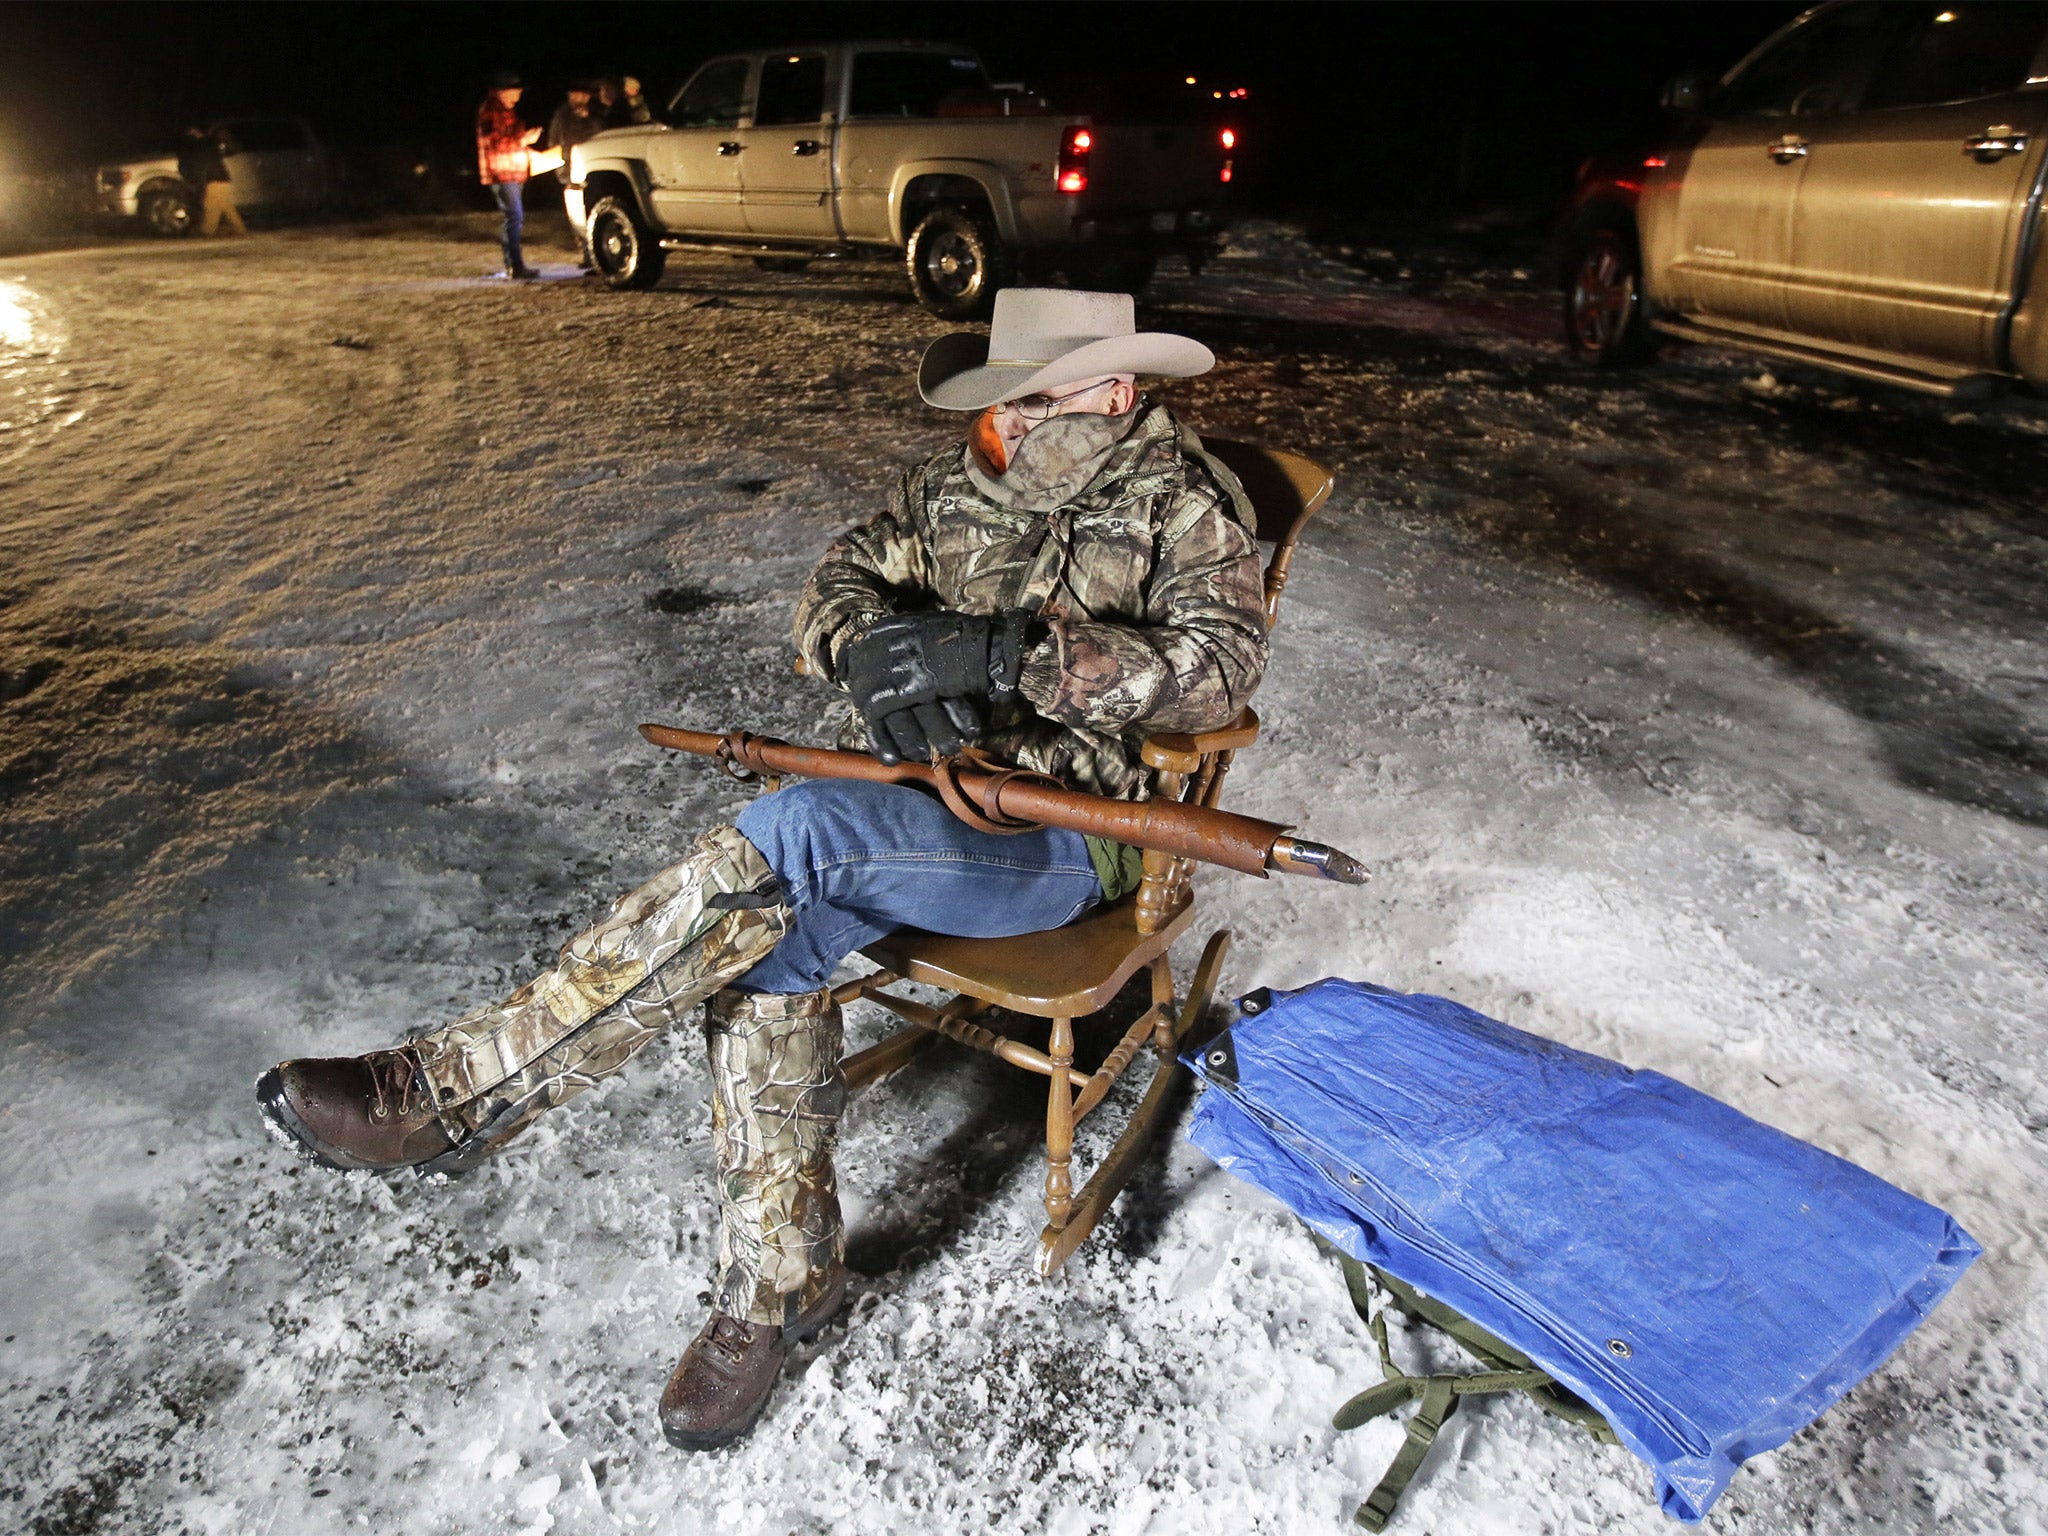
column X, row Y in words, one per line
column 1299, row 856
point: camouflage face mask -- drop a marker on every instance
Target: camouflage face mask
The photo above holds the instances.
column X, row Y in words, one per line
column 1055, row 461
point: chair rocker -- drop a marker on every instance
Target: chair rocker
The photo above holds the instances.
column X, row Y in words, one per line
column 1068, row 973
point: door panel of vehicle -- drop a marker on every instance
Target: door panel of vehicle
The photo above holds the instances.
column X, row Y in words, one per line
column 786, row 169
column 694, row 169
column 272, row 166
column 245, row 175
column 1905, row 235
column 1728, row 252
column 1730, row 245
column 249, row 173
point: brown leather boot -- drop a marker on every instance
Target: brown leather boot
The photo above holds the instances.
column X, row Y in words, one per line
column 370, row 1111
column 729, row 1370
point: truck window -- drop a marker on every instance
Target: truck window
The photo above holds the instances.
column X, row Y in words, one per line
column 1958, row 53
column 1814, row 69
column 910, row 84
column 792, row 90
column 265, row 135
column 713, row 97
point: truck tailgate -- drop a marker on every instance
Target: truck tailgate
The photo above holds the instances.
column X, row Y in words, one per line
column 1133, row 166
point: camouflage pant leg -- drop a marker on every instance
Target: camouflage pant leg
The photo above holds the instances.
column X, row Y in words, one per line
column 662, row 949
column 584, row 1060
column 776, row 1095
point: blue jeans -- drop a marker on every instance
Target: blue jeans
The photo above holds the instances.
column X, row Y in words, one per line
column 858, row 861
column 511, row 200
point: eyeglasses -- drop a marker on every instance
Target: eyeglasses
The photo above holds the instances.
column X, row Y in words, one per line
column 1035, row 408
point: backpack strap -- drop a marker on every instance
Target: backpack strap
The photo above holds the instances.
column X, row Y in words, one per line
column 1512, row 1372
column 1439, row 1402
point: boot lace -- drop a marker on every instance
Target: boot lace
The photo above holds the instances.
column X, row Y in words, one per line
column 729, row 1337
column 396, row 1085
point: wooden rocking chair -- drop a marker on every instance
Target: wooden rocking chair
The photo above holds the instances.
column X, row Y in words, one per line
column 1064, row 974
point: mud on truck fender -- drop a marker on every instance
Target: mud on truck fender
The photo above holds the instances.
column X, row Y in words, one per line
column 625, row 242
column 959, row 232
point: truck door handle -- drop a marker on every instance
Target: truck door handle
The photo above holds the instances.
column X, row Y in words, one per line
column 731, row 147
column 1995, row 143
column 805, row 147
column 1788, row 148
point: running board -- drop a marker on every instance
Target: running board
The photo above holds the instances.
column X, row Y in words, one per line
column 747, row 248
column 1952, row 386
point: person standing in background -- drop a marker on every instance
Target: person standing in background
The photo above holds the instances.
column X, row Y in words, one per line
column 573, row 124
column 503, row 164
column 632, row 110
column 203, row 166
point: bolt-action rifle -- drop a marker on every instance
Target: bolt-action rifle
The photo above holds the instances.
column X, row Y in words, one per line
column 996, row 798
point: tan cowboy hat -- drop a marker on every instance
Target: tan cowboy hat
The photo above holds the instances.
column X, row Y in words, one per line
column 1041, row 338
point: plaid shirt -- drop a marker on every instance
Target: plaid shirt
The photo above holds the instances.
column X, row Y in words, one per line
column 500, row 143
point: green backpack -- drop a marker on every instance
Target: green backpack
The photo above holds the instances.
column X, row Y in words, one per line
column 1373, row 1290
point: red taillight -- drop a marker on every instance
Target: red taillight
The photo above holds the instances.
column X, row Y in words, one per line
column 1226, row 172
column 1654, row 163
column 1229, row 137
column 1072, row 174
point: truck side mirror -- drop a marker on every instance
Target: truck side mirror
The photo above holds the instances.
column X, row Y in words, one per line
column 1687, row 94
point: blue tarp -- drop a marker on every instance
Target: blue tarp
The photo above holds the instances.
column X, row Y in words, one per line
column 1709, row 1284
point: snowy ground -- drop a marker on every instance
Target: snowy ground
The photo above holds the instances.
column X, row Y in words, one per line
column 1694, row 716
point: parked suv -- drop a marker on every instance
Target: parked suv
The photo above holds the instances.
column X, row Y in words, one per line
column 899, row 149
column 1863, row 191
column 274, row 163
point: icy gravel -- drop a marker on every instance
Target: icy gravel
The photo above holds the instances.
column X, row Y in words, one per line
column 1697, row 716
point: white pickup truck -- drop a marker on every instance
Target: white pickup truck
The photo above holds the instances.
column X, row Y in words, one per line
column 273, row 163
column 899, row 149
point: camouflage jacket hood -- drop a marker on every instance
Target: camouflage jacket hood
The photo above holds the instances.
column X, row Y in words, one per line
column 1148, row 577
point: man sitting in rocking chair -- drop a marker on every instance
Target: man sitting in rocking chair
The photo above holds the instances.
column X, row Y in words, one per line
column 1076, row 576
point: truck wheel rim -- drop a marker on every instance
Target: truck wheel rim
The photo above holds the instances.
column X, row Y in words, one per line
column 1603, row 297
column 169, row 215
column 613, row 245
column 950, row 264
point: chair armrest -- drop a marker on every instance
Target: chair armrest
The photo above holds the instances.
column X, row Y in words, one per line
column 1183, row 751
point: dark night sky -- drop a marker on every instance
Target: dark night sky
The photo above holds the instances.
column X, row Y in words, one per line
column 1348, row 100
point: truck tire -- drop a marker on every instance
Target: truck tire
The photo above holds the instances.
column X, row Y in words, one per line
column 1111, row 269
column 1603, row 301
column 956, row 264
column 626, row 253
column 166, row 211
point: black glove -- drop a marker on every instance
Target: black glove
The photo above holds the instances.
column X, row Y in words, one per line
column 924, row 681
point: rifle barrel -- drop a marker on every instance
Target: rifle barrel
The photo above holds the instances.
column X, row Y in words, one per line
column 1243, row 843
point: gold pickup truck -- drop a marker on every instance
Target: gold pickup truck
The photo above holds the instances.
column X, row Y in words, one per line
column 903, row 150
column 1863, row 192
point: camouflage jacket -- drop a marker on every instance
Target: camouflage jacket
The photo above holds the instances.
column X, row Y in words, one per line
column 1147, row 575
